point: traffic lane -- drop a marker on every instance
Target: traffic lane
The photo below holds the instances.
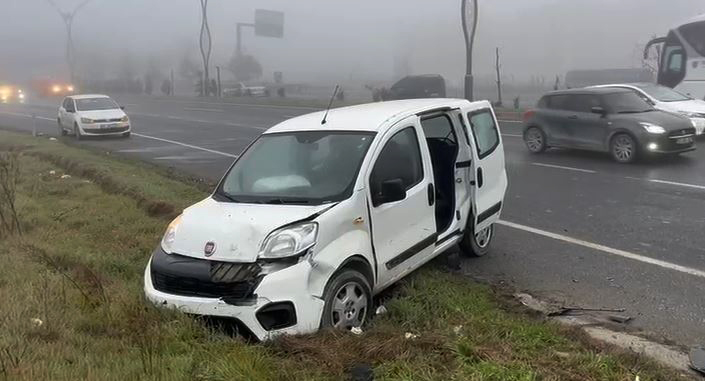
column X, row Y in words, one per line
column 657, row 220
column 662, row 302
column 687, row 168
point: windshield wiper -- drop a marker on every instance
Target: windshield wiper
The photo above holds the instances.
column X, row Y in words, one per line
column 226, row 196
column 284, row 201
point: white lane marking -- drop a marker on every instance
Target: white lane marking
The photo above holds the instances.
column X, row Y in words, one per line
column 677, row 184
column 236, row 104
column 202, row 109
column 43, row 118
column 512, row 135
column 606, row 249
column 562, row 167
column 185, row 145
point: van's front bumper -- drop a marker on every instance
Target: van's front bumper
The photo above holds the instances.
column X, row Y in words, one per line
column 279, row 304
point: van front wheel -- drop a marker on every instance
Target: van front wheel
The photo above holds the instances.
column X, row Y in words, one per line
column 477, row 244
column 348, row 301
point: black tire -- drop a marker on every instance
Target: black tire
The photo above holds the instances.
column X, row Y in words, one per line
column 77, row 132
column 126, row 134
column 476, row 245
column 339, row 286
column 624, row 148
column 62, row 131
column 535, row 140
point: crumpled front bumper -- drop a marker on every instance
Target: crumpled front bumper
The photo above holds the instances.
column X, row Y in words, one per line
column 288, row 286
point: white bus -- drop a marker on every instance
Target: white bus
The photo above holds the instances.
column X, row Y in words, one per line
column 682, row 65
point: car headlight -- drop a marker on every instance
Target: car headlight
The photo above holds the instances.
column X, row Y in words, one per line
column 125, row 119
column 69, row 88
column 289, row 241
column 56, row 89
column 87, row 120
column 21, row 95
column 653, row 128
column 170, row 235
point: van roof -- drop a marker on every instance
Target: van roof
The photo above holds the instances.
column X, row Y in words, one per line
column 371, row 117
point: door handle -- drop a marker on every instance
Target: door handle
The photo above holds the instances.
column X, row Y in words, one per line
column 431, row 195
column 480, row 180
column 573, row 117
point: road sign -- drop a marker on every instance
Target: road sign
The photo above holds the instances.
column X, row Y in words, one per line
column 269, row 23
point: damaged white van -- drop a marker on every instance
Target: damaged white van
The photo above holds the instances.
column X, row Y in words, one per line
column 321, row 213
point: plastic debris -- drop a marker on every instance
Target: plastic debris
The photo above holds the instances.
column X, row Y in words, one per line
column 52, row 139
column 52, row 172
column 620, row 318
column 410, row 336
column 381, row 310
column 356, row 330
column 457, row 329
column 37, row 322
column 65, row 176
column 636, row 378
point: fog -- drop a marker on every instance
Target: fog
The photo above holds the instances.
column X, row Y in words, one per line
column 329, row 41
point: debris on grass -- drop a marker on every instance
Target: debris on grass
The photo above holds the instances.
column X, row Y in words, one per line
column 52, row 172
column 697, row 359
column 65, row 176
column 356, row 330
column 622, row 319
column 411, row 336
column 381, row 310
column 36, row 322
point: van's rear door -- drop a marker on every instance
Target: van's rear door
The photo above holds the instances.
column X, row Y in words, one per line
column 490, row 182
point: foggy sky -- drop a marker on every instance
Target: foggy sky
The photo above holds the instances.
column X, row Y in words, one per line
column 336, row 40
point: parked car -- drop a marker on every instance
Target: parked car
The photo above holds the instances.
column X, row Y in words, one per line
column 319, row 215
column 617, row 121
column 242, row 90
column 92, row 115
column 667, row 99
column 417, row 86
column 52, row 88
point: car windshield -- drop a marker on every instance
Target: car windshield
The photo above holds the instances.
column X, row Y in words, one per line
column 663, row 94
column 313, row 167
column 626, row 103
column 92, row 104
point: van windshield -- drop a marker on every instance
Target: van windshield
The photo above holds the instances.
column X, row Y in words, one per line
column 313, row 167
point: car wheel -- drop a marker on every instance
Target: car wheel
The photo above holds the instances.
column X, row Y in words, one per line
column 126, row 134
column 477, row 244
column 77, row 132
column 62, row 132
column 623, row 149
column 348, row 301
column 535, row 140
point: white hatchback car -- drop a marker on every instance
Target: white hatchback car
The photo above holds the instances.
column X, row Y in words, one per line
column 667, row 99
column 320, row 214
column 92, row 115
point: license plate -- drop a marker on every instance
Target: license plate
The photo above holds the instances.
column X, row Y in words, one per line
column 684, row 141
column 113, row 125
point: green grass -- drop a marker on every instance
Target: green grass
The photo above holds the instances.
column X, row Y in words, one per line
column 78, row 269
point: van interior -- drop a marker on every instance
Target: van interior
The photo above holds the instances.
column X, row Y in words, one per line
column 443, row 146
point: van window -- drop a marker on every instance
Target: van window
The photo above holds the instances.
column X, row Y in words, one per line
column 439, row 127
column 485, row 132
column 400, row 159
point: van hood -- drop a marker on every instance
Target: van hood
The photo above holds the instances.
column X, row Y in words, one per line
column 668, row 120
column 237, row 230
column 102, row 114
column 690, row 106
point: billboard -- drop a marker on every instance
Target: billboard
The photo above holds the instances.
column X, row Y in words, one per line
column 269, row 23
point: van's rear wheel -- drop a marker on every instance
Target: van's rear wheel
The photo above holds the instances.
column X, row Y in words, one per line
column 348, row 301
column 477, row 244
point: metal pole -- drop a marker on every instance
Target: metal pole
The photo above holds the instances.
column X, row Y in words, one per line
column 34, row 125
column 173, row 86
column 220, row 88
column 469, row 29
column 206, row 45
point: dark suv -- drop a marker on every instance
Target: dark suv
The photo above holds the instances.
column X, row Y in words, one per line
column 606, row 119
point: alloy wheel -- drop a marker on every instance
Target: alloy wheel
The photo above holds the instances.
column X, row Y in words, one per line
column 349, row 306
column 623, row 148
column 534, row 140
column 483, row 237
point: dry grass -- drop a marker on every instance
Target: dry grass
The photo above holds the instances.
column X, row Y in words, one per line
column 72, row 305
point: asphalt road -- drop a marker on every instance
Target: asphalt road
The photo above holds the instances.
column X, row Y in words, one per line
column 577, row 228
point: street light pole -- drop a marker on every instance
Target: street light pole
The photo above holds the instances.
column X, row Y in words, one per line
column 68, row 18
column 470, row 18
column 206, row 46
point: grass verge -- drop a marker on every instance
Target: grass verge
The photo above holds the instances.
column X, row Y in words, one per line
column 72, row 305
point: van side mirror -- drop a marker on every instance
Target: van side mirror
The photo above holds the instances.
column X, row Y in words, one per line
column 391, row 191
column 599, row 110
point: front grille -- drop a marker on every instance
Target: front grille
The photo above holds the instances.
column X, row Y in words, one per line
column 107, row 120
column 184, row 286
column 681, row 132
column 106, row 130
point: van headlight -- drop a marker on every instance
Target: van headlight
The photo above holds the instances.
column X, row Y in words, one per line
column 289, row 241
column 170, row 235
column 653, row 128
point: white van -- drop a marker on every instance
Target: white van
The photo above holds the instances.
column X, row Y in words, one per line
column 320, row 214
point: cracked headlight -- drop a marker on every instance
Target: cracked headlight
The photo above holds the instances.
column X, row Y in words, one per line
column 289, row 241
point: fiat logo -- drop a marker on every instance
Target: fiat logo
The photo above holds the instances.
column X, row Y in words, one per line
column 209, row 249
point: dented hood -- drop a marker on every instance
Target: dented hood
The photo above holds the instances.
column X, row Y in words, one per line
column 237, row 230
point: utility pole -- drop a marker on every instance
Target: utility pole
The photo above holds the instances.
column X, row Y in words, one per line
column 499, row 79
column 68, row 18
column 171, row 78
column 220, row 87
column 470, row 17
column 206, row 46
